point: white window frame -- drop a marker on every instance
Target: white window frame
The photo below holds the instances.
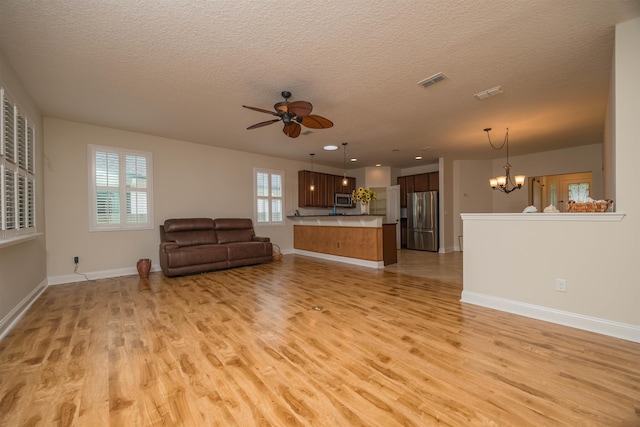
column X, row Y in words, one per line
column 121, row 188
column 18, row 166
column 269, row 199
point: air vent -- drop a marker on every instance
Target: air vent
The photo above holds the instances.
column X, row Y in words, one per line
column 432, row 80
column 489, row 92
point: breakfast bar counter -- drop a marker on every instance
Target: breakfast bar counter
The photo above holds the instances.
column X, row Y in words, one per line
column 355, row 239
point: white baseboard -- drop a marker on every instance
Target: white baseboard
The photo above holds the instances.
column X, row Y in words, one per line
column 574, row 320
column 347, row 260
column 94, row 275
column 19, row 310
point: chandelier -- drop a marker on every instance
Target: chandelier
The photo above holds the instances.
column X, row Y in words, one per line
column 504, row 182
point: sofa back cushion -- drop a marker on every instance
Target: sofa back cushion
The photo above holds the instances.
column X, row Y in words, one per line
column 229, row 230
column 190, row 231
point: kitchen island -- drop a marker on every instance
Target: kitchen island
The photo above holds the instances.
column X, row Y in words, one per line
column 356, row 239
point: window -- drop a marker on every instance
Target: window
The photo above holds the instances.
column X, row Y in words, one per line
column 17, row 170
column 120, row 189
column 269, row 195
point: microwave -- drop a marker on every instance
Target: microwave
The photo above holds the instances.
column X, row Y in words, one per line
column 342, row 200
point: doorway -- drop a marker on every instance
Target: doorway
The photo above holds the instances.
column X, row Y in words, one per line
column 557, row 190
column 387, row 203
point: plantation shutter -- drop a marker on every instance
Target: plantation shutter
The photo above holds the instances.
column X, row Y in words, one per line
column 120, row 188
column 269, row 192
column 17, row 170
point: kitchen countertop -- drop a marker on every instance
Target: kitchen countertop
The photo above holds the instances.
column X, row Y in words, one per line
column 331, row 216
column 338, row 220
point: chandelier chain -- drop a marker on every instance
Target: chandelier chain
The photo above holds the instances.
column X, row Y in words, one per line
column 506, row 140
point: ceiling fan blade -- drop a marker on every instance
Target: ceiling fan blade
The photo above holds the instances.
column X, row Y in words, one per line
column 316, row 122
column 262, row 110
column 292, row 130
column 300, row 108
column 259, row 125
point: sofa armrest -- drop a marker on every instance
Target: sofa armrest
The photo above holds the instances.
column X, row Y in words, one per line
column 168, row 245
column 261, row 239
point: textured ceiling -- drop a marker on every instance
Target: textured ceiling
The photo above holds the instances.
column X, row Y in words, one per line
column 183, row 69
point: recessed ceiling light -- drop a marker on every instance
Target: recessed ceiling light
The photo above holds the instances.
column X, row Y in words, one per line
column 378, row 164
column 418, row 157
column 330, row 147
column 354, row 159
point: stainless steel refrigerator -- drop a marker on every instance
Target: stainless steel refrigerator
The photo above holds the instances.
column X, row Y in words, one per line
column 422, row 221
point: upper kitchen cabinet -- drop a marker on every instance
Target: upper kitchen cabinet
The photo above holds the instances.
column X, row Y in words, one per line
column 417, row 183
column 326, row 186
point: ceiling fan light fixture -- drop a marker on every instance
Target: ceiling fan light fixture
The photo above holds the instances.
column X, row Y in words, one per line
column 292, row 114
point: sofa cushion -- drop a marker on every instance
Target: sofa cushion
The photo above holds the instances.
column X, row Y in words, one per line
column 190, row 231
column 196, row 255
column 188, row 224
column 244, row 250
column 233, row 223
column 230, row 236
column 229, row 230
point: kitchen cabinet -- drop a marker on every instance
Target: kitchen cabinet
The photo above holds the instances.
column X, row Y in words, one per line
column 411, row 184
column 434, row 181
column 402, row 182
column 421, row 182
column 403, row 232
column 416, row 183
column 305, row 195
column 324, row 191
column 389, row 250
column 326, row 186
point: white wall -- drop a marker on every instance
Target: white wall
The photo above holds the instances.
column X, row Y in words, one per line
column 23, row 266
column 416, row 170
column 377, row 177
column 190, row 180
column 599, row 260
column 586, row 158
column 472, row 192
column 446, row 205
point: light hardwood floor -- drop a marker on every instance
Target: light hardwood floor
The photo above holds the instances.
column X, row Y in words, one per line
column 245, row 347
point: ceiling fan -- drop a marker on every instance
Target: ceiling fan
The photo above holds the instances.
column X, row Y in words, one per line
column 292, row 113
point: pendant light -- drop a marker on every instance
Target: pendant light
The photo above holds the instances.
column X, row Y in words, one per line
column 312, row 187
column 345, row 181
column 504, row 182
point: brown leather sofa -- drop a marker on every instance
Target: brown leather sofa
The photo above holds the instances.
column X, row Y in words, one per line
column 196, row 245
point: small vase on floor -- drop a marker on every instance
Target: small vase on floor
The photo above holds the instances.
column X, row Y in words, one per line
column 144, row 266
column 364, row 209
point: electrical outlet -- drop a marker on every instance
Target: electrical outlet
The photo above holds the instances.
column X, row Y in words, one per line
column 76, row 260
column 561, row 285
